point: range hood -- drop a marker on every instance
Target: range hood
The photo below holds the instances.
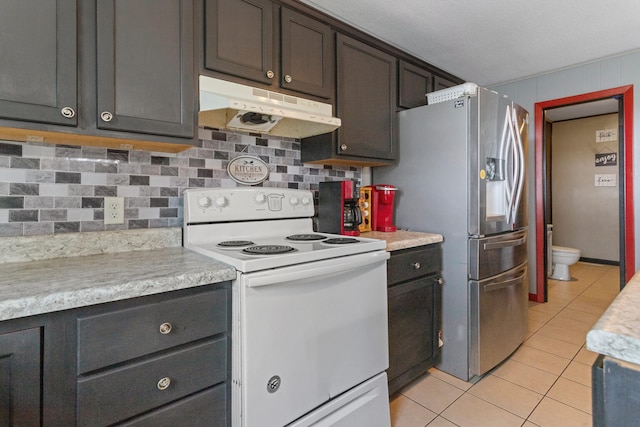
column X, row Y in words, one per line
column 227, row 105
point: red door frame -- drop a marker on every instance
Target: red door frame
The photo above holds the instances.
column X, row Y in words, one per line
column 629, row 241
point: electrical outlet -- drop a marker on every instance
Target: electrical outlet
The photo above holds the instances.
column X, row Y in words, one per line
column 114, row 210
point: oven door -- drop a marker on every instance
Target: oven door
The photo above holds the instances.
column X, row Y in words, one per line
column 305, row 334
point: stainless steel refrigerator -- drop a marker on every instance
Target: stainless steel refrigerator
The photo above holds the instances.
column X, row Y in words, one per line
column 461, row 173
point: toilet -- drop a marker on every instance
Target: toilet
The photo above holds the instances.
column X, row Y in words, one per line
column 559, row 258
column 562, row 258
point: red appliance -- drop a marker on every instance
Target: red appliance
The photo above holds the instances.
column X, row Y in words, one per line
column 338, row 209
column 382, row 207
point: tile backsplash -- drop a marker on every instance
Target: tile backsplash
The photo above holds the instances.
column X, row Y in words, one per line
column 47, row 189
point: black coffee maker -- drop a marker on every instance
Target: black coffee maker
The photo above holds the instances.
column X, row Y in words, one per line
column 338, row 210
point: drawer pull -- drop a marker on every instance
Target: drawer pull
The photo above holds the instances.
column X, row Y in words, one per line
column 165, row 328
column 416, row 265
column 440, row 281
column 106, row 116
column 164, row 383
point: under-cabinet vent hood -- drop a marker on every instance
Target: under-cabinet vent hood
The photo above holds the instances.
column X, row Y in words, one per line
column 227, row 105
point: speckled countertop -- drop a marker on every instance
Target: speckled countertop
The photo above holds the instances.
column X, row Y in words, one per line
column 402, row 239
column 617, row 332
column 118, row 265
column 42, row 274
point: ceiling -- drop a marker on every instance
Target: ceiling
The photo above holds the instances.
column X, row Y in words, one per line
column 496, row 41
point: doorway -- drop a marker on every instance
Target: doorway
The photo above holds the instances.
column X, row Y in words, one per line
column 624, row 95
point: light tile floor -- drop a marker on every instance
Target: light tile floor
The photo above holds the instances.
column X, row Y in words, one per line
column 546, row 382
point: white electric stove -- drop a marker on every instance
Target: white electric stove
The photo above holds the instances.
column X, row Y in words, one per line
column 309, row 334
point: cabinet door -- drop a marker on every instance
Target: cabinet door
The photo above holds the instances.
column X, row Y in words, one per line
column 145, row 66
column 442, row 83
column 239, row 38
column 366, row 100
column 414, row 83
column 307, row 55
column 20, row 378
column 413, row 329
column 38, row 67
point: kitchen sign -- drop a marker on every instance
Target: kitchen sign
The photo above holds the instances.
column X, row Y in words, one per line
column 606, row 159
column 248, row 170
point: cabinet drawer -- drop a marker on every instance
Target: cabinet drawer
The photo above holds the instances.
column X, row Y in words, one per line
column 207, row 408
column 414, row 262
column 123, row 392
column 117, row 336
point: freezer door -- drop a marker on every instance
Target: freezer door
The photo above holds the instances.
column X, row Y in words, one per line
column 498, row 318
column 489, row 256
column 498, row 131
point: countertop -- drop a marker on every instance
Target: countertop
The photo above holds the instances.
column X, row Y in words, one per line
column 43, row 274
column 617, row 332
column 402, row 239
column 40, row 274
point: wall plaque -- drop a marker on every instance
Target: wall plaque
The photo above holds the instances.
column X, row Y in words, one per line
column 606, row 159
column 248, row 170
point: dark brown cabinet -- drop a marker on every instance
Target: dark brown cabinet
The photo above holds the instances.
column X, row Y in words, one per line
column 39, row 56
column 366, row 99
column 145, row 66
column 414, row 83
column 136, row 358
column 20, row 379
column 156, row 360
column 241, row 39
column 442, row 83
column 414, row 307
column 112, row 69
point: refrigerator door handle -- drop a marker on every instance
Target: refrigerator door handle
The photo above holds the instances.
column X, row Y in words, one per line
column 505, row 243
column 505, row 151
column 489, row 287
column 520, row 159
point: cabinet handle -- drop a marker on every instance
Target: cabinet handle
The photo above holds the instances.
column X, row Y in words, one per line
column 165, row 328
column 164, row 383
column 440, row 281
column 68, row 112
column 270, row 74
column 416, row 265
column 288, row 78
column 106, row 116
column 343, row 147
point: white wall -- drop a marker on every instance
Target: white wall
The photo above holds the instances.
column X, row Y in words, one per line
column 600, row 75
column 585, row 216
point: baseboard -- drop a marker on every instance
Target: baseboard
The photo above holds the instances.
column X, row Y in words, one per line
column 599, row 261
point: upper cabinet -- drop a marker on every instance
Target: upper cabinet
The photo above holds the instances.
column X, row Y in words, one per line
column 38, row 72
column 366, row 99
column 442, row 83
column 307, row 55
column 238, row 38
column 241, row 39
column 414, row 83
column 145, row 66
column 111, row 71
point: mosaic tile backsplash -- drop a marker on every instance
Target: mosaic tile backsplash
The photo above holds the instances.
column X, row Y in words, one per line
column 47, row 189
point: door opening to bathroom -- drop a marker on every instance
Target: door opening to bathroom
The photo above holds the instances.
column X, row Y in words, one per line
column 618, row 100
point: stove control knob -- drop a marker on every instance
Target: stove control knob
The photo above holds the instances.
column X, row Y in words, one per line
column 294, row 201
column 204, row 202
column 306, row 201
column 221, row 202
column 261, row 198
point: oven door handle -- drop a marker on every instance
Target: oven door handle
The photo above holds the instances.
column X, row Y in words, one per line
column 313, row 270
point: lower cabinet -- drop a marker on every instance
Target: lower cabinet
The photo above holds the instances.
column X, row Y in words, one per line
column 159, row 360
column 615, row 392
column 20, row 380
column 414, row 306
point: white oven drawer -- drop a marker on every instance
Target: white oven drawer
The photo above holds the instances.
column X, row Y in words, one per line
column 305, row 334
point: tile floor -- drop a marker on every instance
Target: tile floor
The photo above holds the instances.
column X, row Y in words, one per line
column 546, row 382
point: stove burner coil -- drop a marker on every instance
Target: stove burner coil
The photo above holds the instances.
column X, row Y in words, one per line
column 341, row 241
column 306, row 237
column 235, row 243
column 268, row 249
